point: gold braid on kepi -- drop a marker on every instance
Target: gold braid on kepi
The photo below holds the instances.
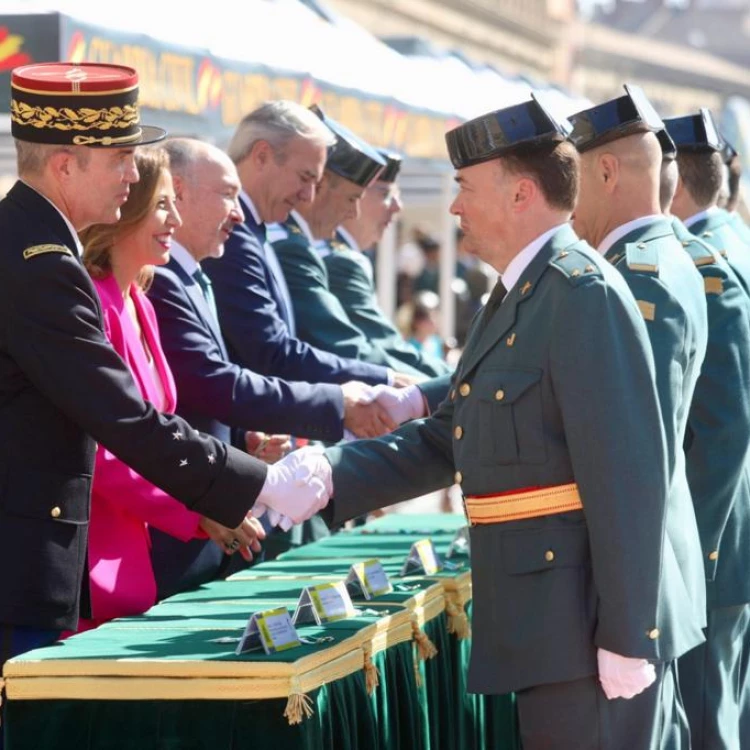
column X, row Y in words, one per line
column 78, row 104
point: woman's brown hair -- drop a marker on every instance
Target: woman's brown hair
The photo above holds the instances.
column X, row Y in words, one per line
column 99, row 239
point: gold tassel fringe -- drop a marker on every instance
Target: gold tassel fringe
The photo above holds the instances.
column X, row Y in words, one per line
column 425, row 647
column 298, row 704
column 458, row 621
column 372, row 678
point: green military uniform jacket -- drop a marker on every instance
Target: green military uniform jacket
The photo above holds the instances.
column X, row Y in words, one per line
column 739, row 226
column 556, row 385
column 716, row 228
column 672, row 300
column 718, row 431
column 320, row 319
column 350, row 279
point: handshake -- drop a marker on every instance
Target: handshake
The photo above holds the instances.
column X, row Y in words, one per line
column 373, row 411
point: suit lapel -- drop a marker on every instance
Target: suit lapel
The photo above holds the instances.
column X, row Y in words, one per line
column 195, row 295
column 489, row 330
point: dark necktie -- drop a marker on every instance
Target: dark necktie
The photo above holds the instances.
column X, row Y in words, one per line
column 208, row 293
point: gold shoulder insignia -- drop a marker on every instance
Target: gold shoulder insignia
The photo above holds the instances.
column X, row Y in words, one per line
column 648, row 309
column 713, row 285
column 294, row 229
column 31, row 252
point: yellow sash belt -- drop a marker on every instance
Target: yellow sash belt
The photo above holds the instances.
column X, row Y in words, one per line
column 515, row 506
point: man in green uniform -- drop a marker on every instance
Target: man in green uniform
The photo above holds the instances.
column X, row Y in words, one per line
column 716, row 447
column 350, row 276
column 300, row 243
column 554, row 433
column 619, row 213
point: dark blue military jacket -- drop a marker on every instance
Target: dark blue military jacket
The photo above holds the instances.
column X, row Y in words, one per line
column 62, row 387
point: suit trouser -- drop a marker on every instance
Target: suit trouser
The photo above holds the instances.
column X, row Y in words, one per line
column 16, row 640
column 711, row 680
column 578, row 716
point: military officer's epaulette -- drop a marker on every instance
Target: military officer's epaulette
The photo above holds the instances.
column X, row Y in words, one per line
column 642, row 257
column 574, row 265
column 35, row 250
column 701, row 253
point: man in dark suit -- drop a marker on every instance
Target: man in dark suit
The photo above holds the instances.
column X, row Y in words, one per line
column 62, row 386
column 714, row 675
column 554, row 434
column 213, row 393
column 279, row 150
column 350, row 274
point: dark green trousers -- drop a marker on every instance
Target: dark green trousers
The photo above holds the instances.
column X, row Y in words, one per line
column 711, row 681
column 577, row 716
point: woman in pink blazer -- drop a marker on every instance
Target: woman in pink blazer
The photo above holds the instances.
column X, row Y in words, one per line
column 120, row 259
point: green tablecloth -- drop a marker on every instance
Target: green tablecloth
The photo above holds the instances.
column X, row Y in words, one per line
column 437, row 714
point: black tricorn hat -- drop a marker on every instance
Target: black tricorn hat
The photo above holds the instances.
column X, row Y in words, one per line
column 616, row 118
column 494, row 134
column 728, row 151
column 392, row 166
column 78, row 104
column 350, row 157
column 695, row 132
column 668, row 147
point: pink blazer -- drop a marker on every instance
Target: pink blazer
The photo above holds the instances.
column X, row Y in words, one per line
column 123, row 503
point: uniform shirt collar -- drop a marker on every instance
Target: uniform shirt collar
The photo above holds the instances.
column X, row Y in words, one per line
column 619, row 232
column 353, row 244
column 253, row 210
column 695, row 218
column 71, row 228
column 519, row 264
column 183, row 258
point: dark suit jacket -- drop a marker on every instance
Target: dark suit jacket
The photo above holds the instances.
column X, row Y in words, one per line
column 63, row 387
column 351, row 281
column 251, row 309
column 554, row 386
column 212, row 390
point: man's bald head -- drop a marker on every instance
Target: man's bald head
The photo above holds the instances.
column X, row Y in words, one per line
column 186, row 155
column 620, row 181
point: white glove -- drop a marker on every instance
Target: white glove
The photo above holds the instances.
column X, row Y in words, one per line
column 402, row 404
column 623, row 676
column 297, row 487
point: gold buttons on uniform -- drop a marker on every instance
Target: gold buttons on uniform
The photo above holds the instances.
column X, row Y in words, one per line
column 458, row 477
column 458, row 433
column 465, row 389
column 563, row 254
column 575, row 273
column 511, row 339
column 641, row 245
column 685, row 243
column 589, row 269
column 549, row 555
column 499, row 394
column 713, row 555
column 55, row 512
column 654, row 634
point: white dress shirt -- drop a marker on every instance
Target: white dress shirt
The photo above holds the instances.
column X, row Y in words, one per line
column 521, row 262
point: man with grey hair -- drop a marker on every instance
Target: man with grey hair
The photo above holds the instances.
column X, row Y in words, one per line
column 280, row 152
